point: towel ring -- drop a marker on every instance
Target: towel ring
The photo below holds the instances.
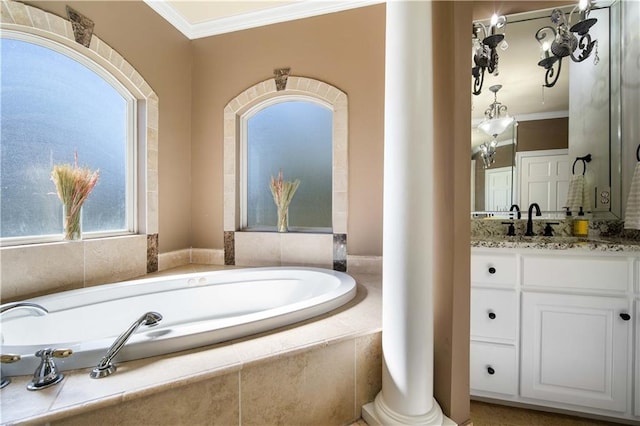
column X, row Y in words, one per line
column 587, row 159
column 638, row 153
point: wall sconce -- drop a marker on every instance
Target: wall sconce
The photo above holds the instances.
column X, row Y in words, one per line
column 496, row 121
column 485, row 55
column 563, row 42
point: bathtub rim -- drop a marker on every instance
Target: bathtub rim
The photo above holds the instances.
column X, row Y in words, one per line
column 141, row 346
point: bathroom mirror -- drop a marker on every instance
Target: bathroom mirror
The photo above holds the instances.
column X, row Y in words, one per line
column 554, row 125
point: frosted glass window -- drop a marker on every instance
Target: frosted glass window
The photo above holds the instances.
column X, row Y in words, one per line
column 51, row 107
column 295, row 137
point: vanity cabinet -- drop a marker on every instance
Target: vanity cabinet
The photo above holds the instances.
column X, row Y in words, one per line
column 556, row 328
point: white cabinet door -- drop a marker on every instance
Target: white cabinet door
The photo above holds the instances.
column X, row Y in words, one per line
column 575, row 350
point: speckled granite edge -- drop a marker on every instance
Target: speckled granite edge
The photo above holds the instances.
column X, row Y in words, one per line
column 604, row 235
column 558, row 243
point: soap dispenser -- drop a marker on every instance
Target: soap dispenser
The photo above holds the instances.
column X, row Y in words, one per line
column 581, row 225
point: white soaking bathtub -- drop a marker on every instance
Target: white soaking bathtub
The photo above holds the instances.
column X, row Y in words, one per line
column 198, row 309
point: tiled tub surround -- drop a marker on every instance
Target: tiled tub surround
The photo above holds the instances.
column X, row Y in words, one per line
column 318, row 372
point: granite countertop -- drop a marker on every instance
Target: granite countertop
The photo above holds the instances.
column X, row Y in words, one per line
column 614, row 244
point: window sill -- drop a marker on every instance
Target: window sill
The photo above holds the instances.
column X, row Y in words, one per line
column 53, row 239
column 292, row 230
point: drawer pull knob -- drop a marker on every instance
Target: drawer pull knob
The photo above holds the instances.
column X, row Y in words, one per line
column 625, row 316
column 490, row 370
column 492, row 315
column 492, row 270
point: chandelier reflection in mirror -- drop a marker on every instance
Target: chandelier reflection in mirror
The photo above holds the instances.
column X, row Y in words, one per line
column 495, row 123
column 485, row 55
column 562, row 41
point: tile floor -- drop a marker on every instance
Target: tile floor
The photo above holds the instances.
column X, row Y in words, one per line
column 483, row 414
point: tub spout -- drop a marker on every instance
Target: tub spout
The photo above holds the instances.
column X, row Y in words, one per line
column 37, row 309
column 105, row 367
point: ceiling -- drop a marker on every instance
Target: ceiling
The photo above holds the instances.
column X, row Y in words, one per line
column 521, row 78
column 204, row 18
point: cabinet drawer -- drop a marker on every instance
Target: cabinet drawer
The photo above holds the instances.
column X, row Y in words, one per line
column 494, row 269
column 493, row 314
column 493, row 368
column 608, row 273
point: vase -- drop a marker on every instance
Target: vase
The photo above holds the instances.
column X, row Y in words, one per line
column 72, row 222
column 283, row 219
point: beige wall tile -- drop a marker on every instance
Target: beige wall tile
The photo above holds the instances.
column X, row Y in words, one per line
column 173, row 259
column 115, row 259
column 340, row 223
column 214, row 401
column 207, row 256
column 40, row 269
column 368, row 368
column 307, row 249
column 257, row 248
column 38, row 17
column 364, row 264
column 19, row 13
column 5, row 15
column 311, row 388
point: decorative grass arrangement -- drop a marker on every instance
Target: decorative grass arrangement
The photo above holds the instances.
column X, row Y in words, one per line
column 73, row 186
column 283, row 192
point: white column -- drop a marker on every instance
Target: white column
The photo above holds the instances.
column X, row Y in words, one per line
column 407, row 313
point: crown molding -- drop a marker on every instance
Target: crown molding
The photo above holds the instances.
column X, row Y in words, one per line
column 289, row 12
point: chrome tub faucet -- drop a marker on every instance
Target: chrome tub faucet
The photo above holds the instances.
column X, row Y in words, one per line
column 105, row 367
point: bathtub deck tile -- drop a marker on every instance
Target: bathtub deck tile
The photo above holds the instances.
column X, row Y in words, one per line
column 134, row 379
column 144, row 378
column 21, row 403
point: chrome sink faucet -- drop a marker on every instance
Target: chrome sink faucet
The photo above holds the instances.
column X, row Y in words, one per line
column 105, row 367
column 529, row 232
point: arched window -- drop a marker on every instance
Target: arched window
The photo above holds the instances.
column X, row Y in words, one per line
column 56, row 102
column 290, row 108
column 291, row 134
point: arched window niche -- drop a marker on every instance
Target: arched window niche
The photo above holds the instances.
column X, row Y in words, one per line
column 326, row 244
column 135, row 253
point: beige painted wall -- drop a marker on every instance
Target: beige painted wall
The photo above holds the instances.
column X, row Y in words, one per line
column 452, row 174
column 543, row 134
column 343, row 49
column 162, row 55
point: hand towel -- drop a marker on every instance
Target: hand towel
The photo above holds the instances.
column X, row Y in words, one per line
column 576, row 194
column 632, row 211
